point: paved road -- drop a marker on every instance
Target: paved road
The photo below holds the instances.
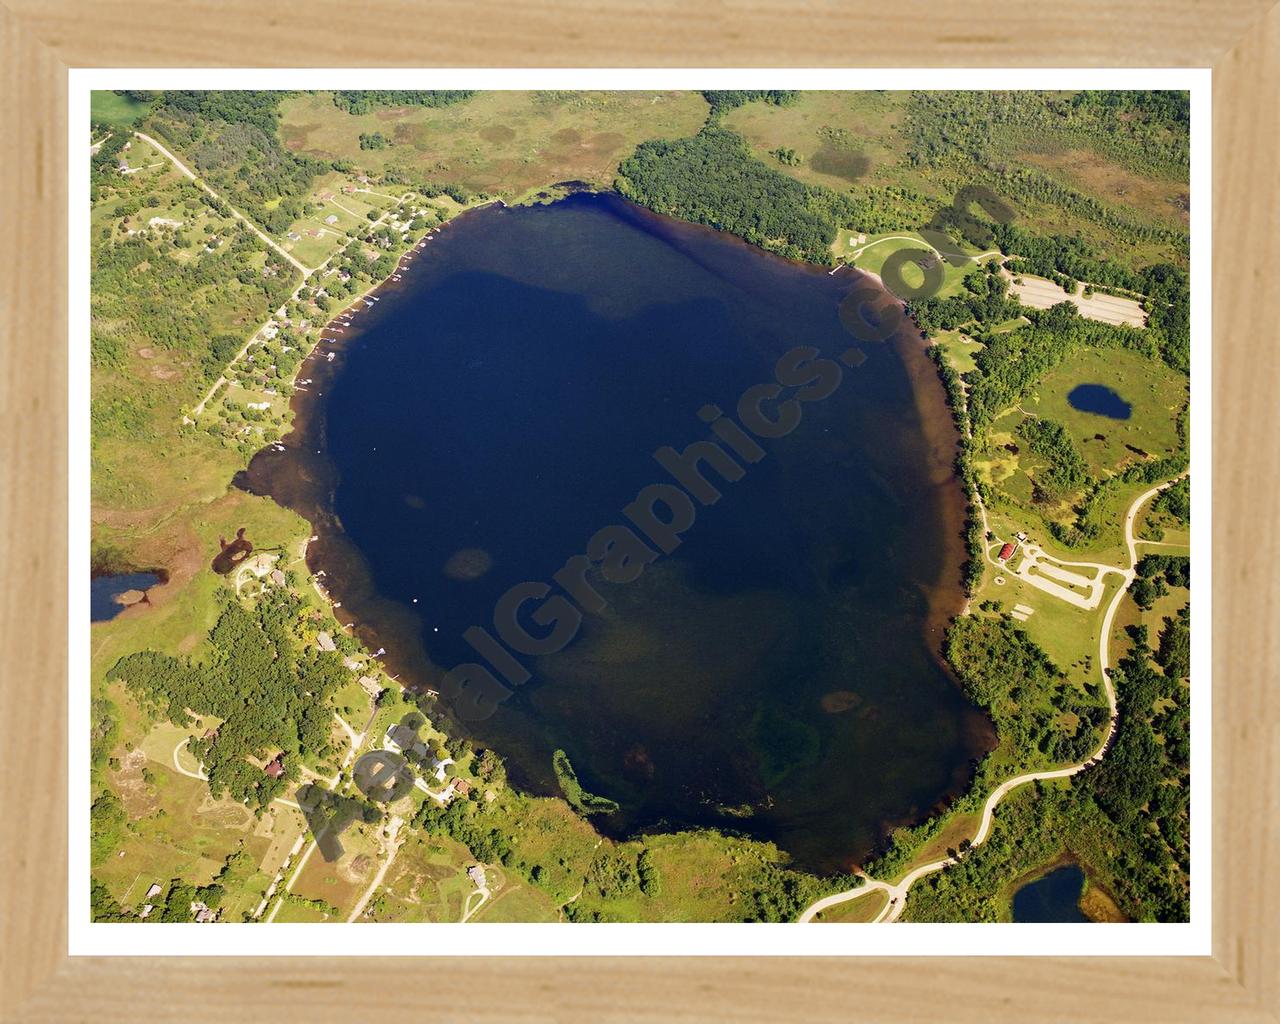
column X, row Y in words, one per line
column 919, row 241
column 898, row 893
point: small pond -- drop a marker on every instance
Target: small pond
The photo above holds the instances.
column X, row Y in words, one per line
column 103, row 591
column 1099, row 400
column 1053, row 898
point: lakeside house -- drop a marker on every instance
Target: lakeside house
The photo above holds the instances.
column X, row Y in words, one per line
column 325, row 642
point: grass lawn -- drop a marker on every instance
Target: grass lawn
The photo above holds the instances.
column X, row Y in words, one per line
column 1068, row 634
column 342, row 882
column 959, row 349
column 862, row 910
column 876, row 250
column 114, row 109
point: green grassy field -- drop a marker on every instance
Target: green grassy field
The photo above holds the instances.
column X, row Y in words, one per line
column 862, row 910
column 112, row 108
column 863, row 140
column 871, row 253
column 1156, row 393
column 504, row 143
column 959, row 349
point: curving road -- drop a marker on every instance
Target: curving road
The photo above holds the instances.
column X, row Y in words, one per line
column 898, row 893
column 921, row 241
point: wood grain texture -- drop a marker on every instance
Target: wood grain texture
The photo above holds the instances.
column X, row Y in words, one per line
column 657, row 33
column 1246, row 592
column 38, row 40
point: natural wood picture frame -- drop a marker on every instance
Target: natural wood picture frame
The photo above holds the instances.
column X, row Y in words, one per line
column 41, row 39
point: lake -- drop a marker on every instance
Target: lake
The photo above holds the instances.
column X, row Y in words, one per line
column 777, row 674
column 103, row 591
column 1099, row 400
column 1052, row 898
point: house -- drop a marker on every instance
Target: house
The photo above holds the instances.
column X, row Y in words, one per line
column 209, row 734
column 277, row 577
column 1007, row 551
column 294, row 236
column 276, row 768
column 370, row 686
column 461, row 786
column 331, row 219
column 153, row 891
column 325, row 642
column 476, row 874
column 146, row 911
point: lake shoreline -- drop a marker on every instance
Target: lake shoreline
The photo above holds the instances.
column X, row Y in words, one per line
column 298, row 475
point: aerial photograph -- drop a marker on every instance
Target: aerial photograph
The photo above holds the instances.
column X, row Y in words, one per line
column 568, row 506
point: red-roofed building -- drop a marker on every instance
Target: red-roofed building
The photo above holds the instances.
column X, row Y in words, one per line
column 1007, row 551
column 276, row 768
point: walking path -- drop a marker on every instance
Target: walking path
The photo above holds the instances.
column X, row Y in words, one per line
column 898, row 893
column 393, row 831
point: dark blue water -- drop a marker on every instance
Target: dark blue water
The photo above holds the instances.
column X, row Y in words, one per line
column 1053, row 898
column 777, row 673
column 1099, row 400
column 103, row 589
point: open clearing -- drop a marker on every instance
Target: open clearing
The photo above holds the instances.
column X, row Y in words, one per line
column 1156, row 393
column 111, row 108
column 1038, row 293
column 1155, row 199
column 502, row 143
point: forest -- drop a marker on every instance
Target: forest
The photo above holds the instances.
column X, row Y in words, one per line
column 231, row 139
column 361, row 101
column 712, row 178
column 726, row 99
column 1126, row 819
column 959, row 126
column 271, row 696
column 1026, row 695
column 1066, row 471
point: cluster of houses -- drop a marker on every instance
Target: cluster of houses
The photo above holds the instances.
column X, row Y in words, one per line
column 200, row 912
